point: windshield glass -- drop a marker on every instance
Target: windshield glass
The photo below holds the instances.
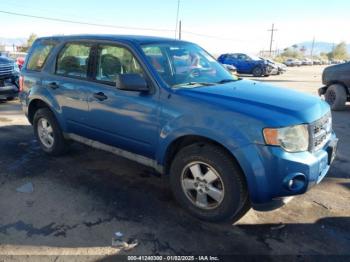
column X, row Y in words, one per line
column 184, row 64
column 253, row 57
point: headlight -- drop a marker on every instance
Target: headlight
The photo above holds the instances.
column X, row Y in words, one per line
column 291, row 138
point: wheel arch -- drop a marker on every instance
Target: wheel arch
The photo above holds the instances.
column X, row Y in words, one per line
column 180, row 142
column 34, row 105
column 337, row 82
column 37, row 103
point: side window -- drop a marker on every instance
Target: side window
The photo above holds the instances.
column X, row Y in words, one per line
column 115, row 60
column 155, row 56
column 39, row 55
column 242, row 57
column 73, row 60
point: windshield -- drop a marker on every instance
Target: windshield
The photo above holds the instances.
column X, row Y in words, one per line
column 184, row 64
column 256, row 58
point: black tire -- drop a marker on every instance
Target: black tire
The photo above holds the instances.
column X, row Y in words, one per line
column 257, row 71
column 336, row 97
column 235, row 202
column 59, row 145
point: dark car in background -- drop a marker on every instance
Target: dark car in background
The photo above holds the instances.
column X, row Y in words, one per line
column 247, row 64
column 337, row 85
column 9, row 75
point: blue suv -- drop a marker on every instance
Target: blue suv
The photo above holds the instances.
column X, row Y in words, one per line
column 227, row 144
column 248, row 64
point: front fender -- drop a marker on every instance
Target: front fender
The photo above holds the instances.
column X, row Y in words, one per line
column 230, row 139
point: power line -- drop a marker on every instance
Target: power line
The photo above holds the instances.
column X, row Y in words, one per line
column 86, row 23
column 115, row 26
column 212, row 36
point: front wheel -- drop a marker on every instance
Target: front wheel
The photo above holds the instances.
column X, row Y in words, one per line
column 257, row 71
column 48, row 132
column 207, row 182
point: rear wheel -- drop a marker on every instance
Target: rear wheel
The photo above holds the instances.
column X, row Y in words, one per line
column 336, row 97
column 257, row 71
column 208, row 183
column 48, row 132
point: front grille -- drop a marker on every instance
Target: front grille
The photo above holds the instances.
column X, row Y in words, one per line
column 6, row 69
column 320, row 132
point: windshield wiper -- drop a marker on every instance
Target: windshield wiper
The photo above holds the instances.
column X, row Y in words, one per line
column 223, row 81
column 194, row 84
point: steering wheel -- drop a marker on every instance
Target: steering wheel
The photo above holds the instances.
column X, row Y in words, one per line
column 194, row 73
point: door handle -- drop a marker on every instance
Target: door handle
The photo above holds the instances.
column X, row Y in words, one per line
column 100, row 96
column 53, row 85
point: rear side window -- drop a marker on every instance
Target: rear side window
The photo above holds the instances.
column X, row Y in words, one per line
column 73, row 60
column 39, row 55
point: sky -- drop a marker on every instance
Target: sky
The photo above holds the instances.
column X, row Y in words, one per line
column 218, row 26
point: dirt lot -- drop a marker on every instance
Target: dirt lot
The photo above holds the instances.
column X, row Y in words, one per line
column 80, row 200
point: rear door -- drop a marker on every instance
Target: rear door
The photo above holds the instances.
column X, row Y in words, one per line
column 245, row 63
column 68, row 84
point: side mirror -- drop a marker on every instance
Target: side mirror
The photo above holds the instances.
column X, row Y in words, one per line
column 131, row 82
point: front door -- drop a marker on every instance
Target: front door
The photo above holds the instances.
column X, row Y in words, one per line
column 125, row 119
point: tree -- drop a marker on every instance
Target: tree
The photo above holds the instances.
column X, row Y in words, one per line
column 289, row 52
column 29, row 43
column 31, row 39
column 339, row 52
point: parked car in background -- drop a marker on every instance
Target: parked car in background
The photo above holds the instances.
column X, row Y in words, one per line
column 246, row 64
column 292, row 62
column 232, row 69
column 337, row 85
column 9, row 74
column 306, row 61
column 317, row 62
column 226, row 143
column 278, row 67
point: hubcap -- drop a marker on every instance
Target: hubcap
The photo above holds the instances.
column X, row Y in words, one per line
column 45, row 133
column 331, row 97
column 202, row 185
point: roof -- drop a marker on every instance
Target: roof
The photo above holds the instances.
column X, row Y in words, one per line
column 139, row 39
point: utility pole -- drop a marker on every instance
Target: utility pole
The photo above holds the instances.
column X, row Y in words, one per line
column 271, row 39
column 312, row 48
column 177, row 17
column 180, row 30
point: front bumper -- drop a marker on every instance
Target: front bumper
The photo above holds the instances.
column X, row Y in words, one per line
column 8, row 89
column 273, row 174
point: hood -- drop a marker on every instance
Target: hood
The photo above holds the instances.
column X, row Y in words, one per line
column 281, row 106
column 5, row 60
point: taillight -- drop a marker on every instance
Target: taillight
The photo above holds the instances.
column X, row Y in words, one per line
column 21, row 83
